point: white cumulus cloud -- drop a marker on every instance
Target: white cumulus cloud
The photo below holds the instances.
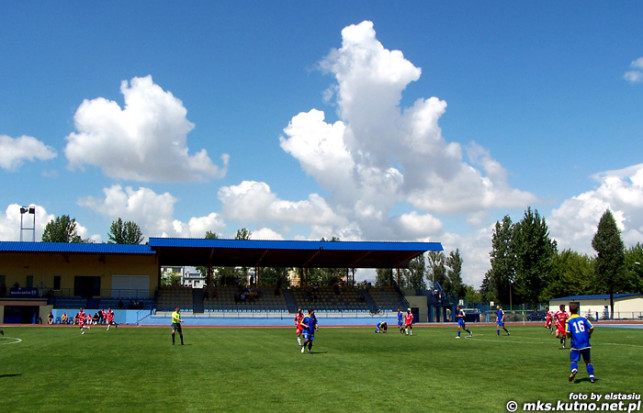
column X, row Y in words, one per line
column 379, row 155
column 254, row 201
column 636, row 74
column 152, row 212
column 15, row 151
column 575, row 222
column 146, row 140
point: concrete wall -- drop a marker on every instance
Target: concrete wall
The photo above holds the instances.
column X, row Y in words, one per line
column 419, row 301
column 16, row 267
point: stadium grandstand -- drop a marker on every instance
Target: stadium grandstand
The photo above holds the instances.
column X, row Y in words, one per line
column 38, row 278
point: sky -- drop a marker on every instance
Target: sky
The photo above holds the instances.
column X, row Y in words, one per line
column 362, row 120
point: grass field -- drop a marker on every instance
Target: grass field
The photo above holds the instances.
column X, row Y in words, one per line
column 136, row 369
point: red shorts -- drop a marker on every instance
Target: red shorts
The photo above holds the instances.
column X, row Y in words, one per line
column 560, row 329
column 299, row 330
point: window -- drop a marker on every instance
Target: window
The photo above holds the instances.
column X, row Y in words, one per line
column 29, row 281
column 57, row 282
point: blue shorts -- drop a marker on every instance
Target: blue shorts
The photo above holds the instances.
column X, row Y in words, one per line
column 500, row 323
column 309, row 337
column 574, row 355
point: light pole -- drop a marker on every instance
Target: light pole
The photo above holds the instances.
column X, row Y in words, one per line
column 511, row 283
column 28, row 210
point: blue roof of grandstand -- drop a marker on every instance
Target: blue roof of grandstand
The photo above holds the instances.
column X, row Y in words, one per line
column 280, row 253
column 77, row 248
column 592, row 297
column 248, row 253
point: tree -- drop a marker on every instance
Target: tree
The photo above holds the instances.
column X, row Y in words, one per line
column 384, row 277
column 634, row 266
column 534, row 251
column 208, row 272
column 275, row 276
column 454, row 273
column 502, row 273
column 61, row 229
column 125, row 233
column 437, row 269
column 571, row 274
column 471, row 295
column 414, row 275
column 607, row 243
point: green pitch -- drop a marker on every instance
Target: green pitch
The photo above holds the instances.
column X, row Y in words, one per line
column 261, row 369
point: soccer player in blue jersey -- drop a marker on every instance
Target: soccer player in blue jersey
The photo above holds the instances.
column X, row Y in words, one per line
column 500, row 321
column 399, row 321
column 459, row 314
column 579, row 330
column 310, row 325
column 382, row 326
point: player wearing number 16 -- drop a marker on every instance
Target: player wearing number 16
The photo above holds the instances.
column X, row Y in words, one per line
column 579, row 330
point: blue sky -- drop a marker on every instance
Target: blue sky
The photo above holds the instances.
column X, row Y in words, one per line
column 301, row 120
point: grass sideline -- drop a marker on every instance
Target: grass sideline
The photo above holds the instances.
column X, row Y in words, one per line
column 261, row 369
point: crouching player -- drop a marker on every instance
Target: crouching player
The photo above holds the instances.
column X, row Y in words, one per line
column 382, row 326
column 579, row 330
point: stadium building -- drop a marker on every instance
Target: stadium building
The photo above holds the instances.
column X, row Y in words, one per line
column 38, row 278
column 597, row 307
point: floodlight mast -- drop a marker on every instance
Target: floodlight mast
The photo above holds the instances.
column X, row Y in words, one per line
column 32, row 211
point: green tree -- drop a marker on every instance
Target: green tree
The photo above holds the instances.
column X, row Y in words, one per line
column 275, row 276
column 607, row 243
column 471, row 295
column 634, row 266
column 454, row 273
column 414, row 275
column 384, row 277
column 209, row 273
column 125, row 233
column 169, row 279
column 571, row 274
column 61, row 229
column 534, row 251
column 502, row 273
column 437, row 271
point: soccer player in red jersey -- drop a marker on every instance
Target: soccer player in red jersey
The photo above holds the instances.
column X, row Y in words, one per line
column 548, row 322
column 408, row 322
column 298, row 327
column 561, row 317
column 82, row 319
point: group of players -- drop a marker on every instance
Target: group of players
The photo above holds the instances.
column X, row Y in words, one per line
column 85, row 320
column 305, row 325
column 575, row 327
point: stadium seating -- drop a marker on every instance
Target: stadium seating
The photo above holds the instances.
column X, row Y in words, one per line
column 175, row 296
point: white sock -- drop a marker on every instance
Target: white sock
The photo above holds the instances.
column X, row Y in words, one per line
column 299, row 341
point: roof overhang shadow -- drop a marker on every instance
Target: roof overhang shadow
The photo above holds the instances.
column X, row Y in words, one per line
column 277, row 253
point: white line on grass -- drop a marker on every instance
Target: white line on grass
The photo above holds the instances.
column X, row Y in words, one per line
column 15, row 340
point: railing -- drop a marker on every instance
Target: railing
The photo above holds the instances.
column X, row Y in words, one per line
column 539, row 316
column 284, row 315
